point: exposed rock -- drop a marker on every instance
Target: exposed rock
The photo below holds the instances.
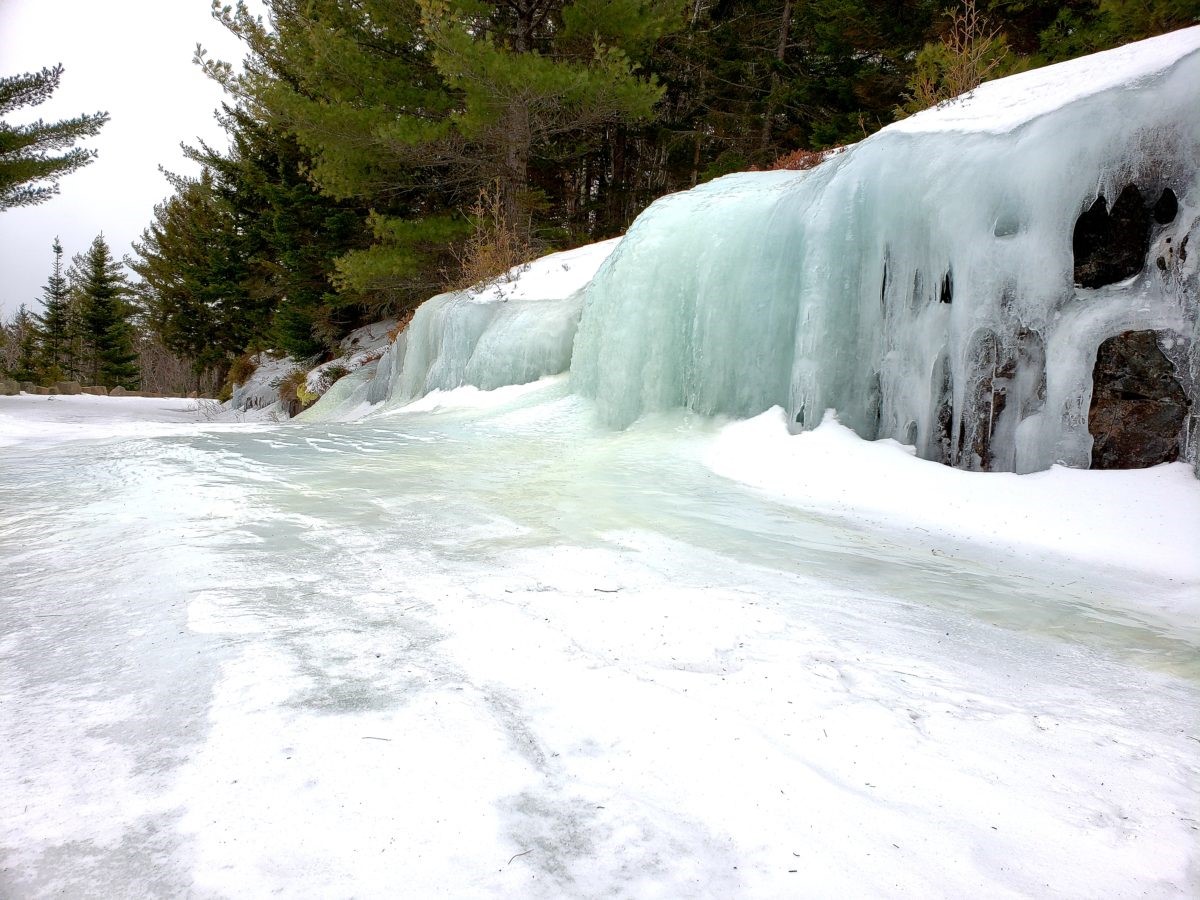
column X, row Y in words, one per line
column 118, row 391
column 1112, row 246
column 1138, row 405
column 8, row 388
column 96, row 390
column 29, row 387
column 69, row 387
column 41, row 391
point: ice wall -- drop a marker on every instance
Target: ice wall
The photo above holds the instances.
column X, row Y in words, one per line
column 513, row 331
column 924, row 282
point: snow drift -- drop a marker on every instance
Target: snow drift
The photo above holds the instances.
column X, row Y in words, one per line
column 1003, row 282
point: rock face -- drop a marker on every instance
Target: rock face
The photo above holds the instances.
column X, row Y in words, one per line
column 1138, row 405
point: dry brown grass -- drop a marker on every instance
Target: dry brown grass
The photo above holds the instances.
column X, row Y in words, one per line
column 799, row 160
column 495, row 246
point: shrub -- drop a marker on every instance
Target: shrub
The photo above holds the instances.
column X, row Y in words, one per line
column 241, row 369
column 495, row 247
column 799, row 160
column 970, row 52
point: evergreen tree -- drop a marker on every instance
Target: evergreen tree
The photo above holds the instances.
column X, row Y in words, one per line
column 30, row 165
column 23, row 333
column 356, row 86
column 105, row 313
column 530, row 78
column 55, row 322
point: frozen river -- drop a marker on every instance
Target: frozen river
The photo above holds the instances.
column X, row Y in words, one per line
column 500, row 652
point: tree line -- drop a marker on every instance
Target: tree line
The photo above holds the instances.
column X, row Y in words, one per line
column 86, row 331
column 382, row 150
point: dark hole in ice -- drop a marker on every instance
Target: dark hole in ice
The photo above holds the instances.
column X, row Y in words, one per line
column 946, row 294
column 1138, row 405
column 1166, row 207
column 1111, row 245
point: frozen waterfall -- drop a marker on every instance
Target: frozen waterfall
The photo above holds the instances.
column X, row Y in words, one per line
column 957, row 282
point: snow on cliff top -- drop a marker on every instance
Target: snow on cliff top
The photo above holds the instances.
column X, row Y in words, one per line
column 1002, row 105
column 552, row 277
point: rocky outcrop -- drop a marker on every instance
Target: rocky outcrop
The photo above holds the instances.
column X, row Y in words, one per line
column 1138, row 405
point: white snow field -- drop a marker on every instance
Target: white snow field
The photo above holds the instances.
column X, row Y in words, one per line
column 484, row 647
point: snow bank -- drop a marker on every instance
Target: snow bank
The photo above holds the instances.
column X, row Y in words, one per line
column 1145, row 521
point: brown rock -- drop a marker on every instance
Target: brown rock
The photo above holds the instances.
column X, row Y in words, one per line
column 1138, row 405
column 69, row 387
column 118, row 391
column 96, row 390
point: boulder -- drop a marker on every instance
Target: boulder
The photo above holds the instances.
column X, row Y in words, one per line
column 29, row 387
column 69, row 387
column 118, row 391
column 41, row 391
column 1138, row 404
column 8, row 388
column 96, row 390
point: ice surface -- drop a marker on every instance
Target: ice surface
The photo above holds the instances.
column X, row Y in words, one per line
column 485, row 647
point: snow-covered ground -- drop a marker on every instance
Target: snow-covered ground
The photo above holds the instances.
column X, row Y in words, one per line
column 481, row 647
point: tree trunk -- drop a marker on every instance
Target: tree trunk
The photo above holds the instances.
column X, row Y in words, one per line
column 785, row 27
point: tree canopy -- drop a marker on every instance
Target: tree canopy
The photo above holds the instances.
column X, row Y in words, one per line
column 34, row 156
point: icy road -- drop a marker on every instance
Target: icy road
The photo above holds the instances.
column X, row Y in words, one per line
column 497, row 652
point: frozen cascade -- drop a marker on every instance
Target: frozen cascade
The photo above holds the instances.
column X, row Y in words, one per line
column 514, row 331
column 952, row 282
column 923, row 282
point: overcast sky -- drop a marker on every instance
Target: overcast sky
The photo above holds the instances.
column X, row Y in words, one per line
column 133, row 59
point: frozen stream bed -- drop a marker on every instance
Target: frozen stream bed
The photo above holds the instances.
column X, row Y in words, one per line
column 489, row 649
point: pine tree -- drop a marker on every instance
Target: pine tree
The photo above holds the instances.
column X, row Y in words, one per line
column 55, row 349
column 29, row 166
column 105, row 312
column 23, row 333
column 531, row 78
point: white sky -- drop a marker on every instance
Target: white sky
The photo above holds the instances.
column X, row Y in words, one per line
column 131, row 58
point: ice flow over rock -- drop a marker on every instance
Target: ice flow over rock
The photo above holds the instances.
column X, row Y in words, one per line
column 948, row 282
